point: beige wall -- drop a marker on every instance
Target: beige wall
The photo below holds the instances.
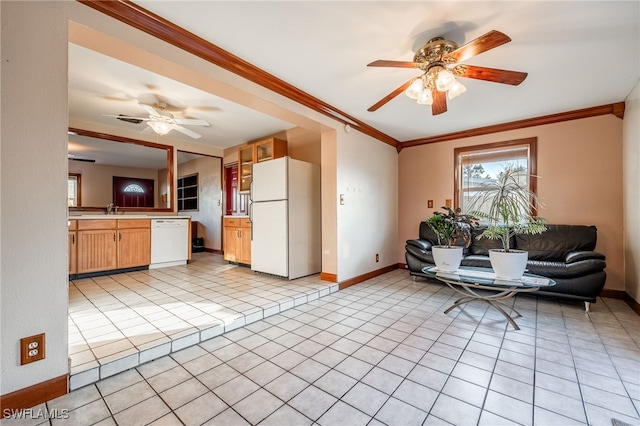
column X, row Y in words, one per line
column 97, row 181
column 580, row 181
column 209, row 214
column 33, row 187
column 631, row 171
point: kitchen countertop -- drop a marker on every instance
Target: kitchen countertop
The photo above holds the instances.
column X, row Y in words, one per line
column 237, row 216
column 125, row 216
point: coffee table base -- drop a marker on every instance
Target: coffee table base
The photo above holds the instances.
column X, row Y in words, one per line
column 492, row 299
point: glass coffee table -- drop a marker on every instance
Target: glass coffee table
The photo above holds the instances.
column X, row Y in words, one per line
column 469, row 281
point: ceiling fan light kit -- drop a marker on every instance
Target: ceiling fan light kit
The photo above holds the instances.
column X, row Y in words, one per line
column 162, row 122
column 440, row 60
column 160, row 127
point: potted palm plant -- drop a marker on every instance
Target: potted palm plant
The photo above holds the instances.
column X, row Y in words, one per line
column 449, row 227
column 507, row 207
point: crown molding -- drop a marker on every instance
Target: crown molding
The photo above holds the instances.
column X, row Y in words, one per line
column 156, row 26
column 616, row 109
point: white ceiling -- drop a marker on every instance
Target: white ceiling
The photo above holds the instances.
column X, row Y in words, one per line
column 577, row 54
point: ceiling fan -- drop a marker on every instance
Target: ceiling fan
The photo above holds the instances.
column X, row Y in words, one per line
column 162, row 121
column 440, row 61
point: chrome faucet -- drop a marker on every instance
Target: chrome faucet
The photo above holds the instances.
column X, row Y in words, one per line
column 110, row 208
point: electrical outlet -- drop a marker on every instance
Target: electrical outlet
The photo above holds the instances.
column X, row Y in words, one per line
column 429, row 204
column 31, row 349
column 377, row 257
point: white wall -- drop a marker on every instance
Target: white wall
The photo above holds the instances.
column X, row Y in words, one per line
column 631, row 197
column 209, row 214
column 33, row 232
column 367, row 175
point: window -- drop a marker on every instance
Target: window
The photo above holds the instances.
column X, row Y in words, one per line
column 479, row 164
column 133, row 187
column 73, row 190
column 188, row 193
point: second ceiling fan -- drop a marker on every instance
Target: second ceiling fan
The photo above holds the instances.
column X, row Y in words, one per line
column 162, row 121
column 440, row 61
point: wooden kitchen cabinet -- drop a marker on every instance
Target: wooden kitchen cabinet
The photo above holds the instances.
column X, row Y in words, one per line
column 97, row 250
column 73, row 247
column 134, row 243
column 237, row 240
column 257, row 152
column 106, row 244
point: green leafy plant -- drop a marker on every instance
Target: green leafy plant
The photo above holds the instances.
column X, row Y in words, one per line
column 506, row 206
column 447, row 226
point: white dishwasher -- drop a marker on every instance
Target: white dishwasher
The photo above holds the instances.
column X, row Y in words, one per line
column 169, row 242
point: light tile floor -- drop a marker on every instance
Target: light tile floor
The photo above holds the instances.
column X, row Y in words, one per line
column 383, row 352
column 117, row 322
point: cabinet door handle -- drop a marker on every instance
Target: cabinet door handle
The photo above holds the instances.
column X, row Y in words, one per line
column 73, row 239
column 114, row 236
column 119, row 236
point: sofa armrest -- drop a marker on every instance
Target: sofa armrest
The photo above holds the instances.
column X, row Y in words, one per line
column 421, row 244
column 576, row 256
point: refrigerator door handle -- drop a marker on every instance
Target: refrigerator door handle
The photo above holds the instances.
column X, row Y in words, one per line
column 251, row 218
column 251, row 190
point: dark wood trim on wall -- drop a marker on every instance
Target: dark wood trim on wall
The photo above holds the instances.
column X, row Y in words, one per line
column 33, row 395
column 325, row 276
column 156, row 26
column 616, row 109
column 123, row 139
column 633, row 304
column 621, row 294
column 360, row 278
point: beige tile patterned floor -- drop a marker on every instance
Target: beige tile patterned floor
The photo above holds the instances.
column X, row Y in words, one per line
column 383, row 353
column 117, row 322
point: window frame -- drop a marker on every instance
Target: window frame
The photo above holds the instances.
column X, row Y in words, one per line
column 78, row 179
column 532, row 164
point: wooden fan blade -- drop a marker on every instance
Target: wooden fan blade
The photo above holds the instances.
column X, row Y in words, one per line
column 439, row 104
column 491, row 74
column 390, row 96
column 481, row 44
column 394, row 64
column 191, row 122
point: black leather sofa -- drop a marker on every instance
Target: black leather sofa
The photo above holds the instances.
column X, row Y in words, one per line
column 564, row 253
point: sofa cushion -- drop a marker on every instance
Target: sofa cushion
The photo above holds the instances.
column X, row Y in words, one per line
column 557, row 241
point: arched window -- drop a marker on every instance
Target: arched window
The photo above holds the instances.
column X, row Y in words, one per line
column 133, row 187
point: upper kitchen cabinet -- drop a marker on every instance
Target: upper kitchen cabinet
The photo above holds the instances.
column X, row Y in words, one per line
column 264, row 150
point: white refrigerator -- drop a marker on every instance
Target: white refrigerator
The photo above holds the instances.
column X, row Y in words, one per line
column 285, row 218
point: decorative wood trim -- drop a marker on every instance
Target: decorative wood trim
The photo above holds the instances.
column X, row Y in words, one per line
column 623, row 295
column 616, row 109
column 633, row 304
column 156, row 26
column 114, row 138
column 325, row 276
column 367, row 276
column 215, row 251
column 613, row 294
column 34, row 395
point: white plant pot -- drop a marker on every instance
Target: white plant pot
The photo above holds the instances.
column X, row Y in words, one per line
column 508, row 265
column 447, row 259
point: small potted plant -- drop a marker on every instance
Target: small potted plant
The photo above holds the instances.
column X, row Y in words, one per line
column 507, row 207
column 448, row 227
